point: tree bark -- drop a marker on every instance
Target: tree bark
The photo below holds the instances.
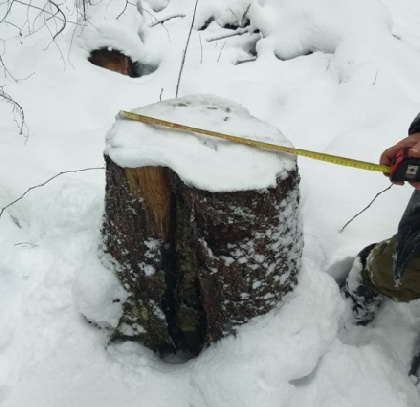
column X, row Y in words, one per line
column 197, row 264
column 136, row 235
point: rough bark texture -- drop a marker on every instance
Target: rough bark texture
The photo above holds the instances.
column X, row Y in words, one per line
column 139, row 247
column 197, row 264
column 237, row 254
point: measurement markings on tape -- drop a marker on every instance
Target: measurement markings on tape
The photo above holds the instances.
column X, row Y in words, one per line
column 334, row 159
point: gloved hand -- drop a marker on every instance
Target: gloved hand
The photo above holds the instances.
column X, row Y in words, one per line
column 412, row 143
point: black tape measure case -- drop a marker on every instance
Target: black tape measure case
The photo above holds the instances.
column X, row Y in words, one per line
column 405, row 168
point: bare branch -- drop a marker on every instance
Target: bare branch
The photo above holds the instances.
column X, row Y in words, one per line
column 26, row 244
column 45, row 183
column 184, row 54
column 64, row 19
column 245, row 14
column 125, row 8
column 220, row 53
column 55, row 15
column 71, row 44
column 201, row 49
column 18, row 113
column 84, row 10
column 233, row 13
column 376, row 77
column 7, row 12
column 367, row 207
column 6, row 71
column 143, row 10
column 58, row 48
column 13, row 25
column 167, row 19
column 245, row 61
column 238, row 31
column 29, row 5
column 243, row 19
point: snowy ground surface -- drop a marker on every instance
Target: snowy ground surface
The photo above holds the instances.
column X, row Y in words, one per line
column 336, row 76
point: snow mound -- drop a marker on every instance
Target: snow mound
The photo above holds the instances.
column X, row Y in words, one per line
column 208, row 163
column 292, row 28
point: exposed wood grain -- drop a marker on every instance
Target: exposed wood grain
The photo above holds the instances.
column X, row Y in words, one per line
column 151, row 184
column 112, row 60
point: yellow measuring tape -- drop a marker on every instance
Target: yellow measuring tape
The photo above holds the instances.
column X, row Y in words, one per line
column 334, row 159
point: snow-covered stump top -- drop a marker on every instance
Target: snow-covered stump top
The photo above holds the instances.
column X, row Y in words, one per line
column 204, row 234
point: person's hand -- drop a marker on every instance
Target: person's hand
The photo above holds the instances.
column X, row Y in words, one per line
column 412, row 143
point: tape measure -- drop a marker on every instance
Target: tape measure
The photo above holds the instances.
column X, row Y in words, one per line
column 334, row 159
column 404, row 167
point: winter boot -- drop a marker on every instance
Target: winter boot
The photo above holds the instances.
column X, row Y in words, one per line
column 360, row 289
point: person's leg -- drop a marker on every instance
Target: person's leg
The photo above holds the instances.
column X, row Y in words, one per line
column 380, row 267
column 372, row 279
column 360, row 289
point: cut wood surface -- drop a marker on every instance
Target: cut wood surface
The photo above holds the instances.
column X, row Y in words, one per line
column 152, row 185
column 112, row 60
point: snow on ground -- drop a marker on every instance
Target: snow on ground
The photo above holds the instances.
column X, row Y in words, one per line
column 334, row 76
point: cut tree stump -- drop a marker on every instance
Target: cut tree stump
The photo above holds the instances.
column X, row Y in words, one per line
column 196, row 263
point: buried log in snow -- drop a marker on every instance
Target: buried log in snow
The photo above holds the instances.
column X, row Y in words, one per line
column 116, row 61
column 113, row 60
column 204, row 234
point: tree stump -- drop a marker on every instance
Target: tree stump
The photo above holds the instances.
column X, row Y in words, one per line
column 198, row 255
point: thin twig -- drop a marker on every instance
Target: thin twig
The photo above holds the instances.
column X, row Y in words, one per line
column 42, row 10
column 367, row 207
column 238, row 31
column 25, row 244
column 167, row 33
column 6, row 71
column 48, row 14
column 64, row 20
column 201, row 49
column 167, row 19
column 156, row 21
column 376, row 77
column 245, row 14
column 53, row 41
column 9, row 9
column 242, row 21
column 84, row 10
column 13, row 25
column 46, row 182
column 17, row 110
column 245, row 61
column 220, row 53
column 184, row 54
column 122, row 12
column 237, row 18
column 143, row 10
column 71, row 45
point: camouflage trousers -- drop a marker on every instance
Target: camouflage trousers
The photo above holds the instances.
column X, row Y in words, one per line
column 371, row 279
column 378, row 273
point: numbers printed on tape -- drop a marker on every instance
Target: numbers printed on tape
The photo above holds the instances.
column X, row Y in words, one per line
column 334, row 159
